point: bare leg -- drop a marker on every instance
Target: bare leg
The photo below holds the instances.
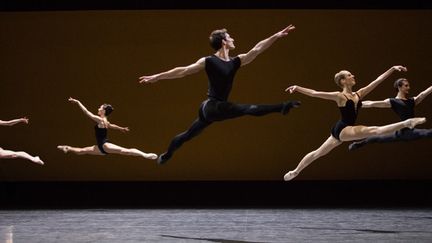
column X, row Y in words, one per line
column 324, row 149
column 8, row 154
column 115, row 149
column 360, row 132
column 93, row 150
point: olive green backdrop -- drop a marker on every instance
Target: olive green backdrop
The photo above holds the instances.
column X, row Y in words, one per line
column 97, row 57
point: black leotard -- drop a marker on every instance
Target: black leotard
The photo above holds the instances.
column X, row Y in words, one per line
column 348, row 116
column 101, row 138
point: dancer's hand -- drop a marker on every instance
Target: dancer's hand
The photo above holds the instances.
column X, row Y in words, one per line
column 291, row 89
column 148, row 79
column 24, row 120
column 72, row 100
column 285, row 31
column 125, row 129
column 399, row 68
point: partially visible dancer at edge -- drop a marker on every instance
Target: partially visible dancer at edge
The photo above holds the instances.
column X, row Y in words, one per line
column 8, row 154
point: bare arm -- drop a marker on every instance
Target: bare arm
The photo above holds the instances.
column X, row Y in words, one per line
column 84, row 109
column 313, row 93
column 376, row 104
column 177, row 72
column 366, row 90
column 116, row 127
column 14, row 121
column 420, row 97
column 263, row 45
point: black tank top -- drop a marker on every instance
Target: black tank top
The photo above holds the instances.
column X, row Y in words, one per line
column 404, row 108
column 220, row 74
column 349, row 112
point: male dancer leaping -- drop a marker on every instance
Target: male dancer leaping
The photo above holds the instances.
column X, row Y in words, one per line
column 220, row 69
column 403, row 106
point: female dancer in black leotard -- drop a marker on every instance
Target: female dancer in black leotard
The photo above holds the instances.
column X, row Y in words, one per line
column 8, row 154
column 403, row 106
column 103, row 146
column 349, row 103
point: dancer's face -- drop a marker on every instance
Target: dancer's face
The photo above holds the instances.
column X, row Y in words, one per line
column 101, row 110
column 229, row 42
column 405, row 87
column 349, row 79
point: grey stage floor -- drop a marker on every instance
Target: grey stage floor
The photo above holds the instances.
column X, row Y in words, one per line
column 216, row 225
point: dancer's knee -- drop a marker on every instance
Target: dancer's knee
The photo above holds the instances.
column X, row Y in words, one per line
column 253, row 110
column 370, row 131
column 186, row 136
column 133, row 151
column 78, row 151
column 127, row 151
column 8, row 155
column 181, row 138
column 317, row 153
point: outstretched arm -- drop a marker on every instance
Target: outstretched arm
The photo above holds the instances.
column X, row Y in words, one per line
column 376, row 104
column 177, row 72
column 14, row 121
column 366, row 90
column 263, row 45
column 420, row 97
column 313, row 93
column 84, row 109
column 116, row 127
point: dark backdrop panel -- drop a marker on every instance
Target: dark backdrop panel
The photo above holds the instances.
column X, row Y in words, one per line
column 97, row 57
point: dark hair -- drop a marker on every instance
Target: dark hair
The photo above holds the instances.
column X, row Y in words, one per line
column 398, row 83
column 216, row 38
column 108, row 109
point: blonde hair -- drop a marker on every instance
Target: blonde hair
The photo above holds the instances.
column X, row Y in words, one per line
column 339, row 76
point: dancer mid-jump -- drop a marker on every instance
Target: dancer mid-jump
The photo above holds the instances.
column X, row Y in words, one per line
column 220, row 69
column 8, row 154
column 103, row 145
column 349, row 103
column 403, row 106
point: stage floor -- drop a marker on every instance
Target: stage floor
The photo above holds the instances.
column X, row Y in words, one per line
column 216, row 225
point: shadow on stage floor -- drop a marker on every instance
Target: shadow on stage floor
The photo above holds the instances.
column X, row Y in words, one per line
column 216, row 194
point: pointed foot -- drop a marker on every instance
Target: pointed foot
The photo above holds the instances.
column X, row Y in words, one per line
column 290, row 175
